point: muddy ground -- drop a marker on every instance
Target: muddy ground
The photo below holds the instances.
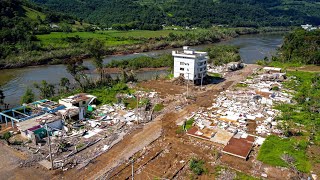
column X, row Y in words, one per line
column 166, row 155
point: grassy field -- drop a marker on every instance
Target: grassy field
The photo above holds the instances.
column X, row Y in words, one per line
column 33, row 14
column 143, row 33
column 57, row 39
column 108, row 95
column 274, row 147
column 111, row 38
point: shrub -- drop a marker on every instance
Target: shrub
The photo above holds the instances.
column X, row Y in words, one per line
column 158, row 107
column 6, row 136
column 189, row 123
column 197, row 166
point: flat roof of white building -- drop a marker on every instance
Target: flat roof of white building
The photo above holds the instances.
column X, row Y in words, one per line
column 188, row 52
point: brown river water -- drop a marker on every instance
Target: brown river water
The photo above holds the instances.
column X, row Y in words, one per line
column 14, row 82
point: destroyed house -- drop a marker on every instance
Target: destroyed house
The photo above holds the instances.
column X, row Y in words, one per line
column 35, row 128
column 31, row 118
column 239, row 146
column 29, row 111
column 78, row 100
column 272, row 70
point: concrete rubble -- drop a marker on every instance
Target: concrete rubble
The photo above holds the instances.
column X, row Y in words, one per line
column 90, row 131
column 250, row 103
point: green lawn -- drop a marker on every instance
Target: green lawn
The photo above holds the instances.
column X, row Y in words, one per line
column 274, row 147
column 56, row 39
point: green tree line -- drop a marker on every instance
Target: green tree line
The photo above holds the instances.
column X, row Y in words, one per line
column 201, row 13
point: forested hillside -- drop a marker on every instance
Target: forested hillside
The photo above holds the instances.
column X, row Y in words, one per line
column 192, row 12
column 301, row 46
column 21, row 21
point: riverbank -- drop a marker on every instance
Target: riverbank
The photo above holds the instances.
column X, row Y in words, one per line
column 119, row 70
column 57, row 53
column 16, row 81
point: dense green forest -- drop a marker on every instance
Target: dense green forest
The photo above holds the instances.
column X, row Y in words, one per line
column 301, row 46
column 203, row 13
column 21, row 21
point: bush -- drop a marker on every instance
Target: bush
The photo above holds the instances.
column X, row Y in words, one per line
column 79, row 146
column 6, row 136
column 180, row 130
column 16, row 142
column 158, row 107
column 189, row 123
column 242, row 85
column 197, row 166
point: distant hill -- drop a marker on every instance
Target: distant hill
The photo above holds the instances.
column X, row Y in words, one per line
column 192, row 12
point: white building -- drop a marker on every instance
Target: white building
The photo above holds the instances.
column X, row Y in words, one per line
column 190, row 64
column 309, row 27
column 306, row 26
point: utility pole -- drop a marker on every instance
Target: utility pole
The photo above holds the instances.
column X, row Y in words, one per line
column 201, row 80
column 137, row 113
column 132, row 170
column 188, row 86
column 49, row 141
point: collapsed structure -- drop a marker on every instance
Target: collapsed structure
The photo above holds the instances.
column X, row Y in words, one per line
column 240, row 118
column 33, row 120
column 65, row 129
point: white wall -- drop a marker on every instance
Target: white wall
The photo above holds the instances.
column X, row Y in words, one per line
column 188, row 67
column 191, row 68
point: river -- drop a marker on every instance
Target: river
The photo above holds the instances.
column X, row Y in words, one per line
column 14, row 82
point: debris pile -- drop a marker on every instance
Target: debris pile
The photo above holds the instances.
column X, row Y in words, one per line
column 252, row 103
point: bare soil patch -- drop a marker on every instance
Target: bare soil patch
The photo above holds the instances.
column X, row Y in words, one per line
column 163, row 87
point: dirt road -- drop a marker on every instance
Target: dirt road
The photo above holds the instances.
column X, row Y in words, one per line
column 172, row 151
column 158, row 149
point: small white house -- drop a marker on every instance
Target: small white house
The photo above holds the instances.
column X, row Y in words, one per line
column 190, row 64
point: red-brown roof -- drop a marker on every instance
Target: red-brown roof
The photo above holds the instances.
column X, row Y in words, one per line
column 239, row 147
column 192, row 131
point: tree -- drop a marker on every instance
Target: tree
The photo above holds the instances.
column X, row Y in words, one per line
column 28, row 96
column 46, row 89
column 76, row 69
column 64, row 83
column 66, row 28
column 97, row 50
column 1, row 97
